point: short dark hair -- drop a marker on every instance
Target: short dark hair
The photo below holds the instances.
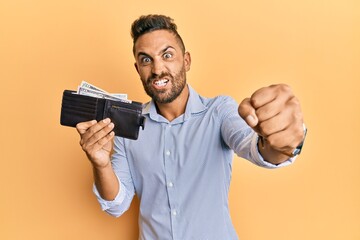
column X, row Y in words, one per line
column 148, row 23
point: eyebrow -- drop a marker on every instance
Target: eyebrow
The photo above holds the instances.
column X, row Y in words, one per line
column 167, row 48
column 162, row 51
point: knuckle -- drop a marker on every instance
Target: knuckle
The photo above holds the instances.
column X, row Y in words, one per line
column 263, row 113
column 79, row 126
column 298, row 117
column 299, row 134
column 84, row 148
column 241, row 107
column 263, row 130
column 295, row 108
column 245, row 108
column 284, row 87
column 84, row 145
column 102, row 141
column 294, row 102
column 254, row 101
column 91, row 131
column 243, row 103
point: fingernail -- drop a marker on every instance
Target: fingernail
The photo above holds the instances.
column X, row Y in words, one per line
column 111, row 125
column 251, row 121
column 106, row 120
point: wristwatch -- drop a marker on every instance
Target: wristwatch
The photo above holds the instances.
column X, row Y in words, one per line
column 297, row 150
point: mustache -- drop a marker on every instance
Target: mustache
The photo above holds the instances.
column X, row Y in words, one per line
column 154, row 77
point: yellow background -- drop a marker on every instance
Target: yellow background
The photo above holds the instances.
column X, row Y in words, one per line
column 237, row 47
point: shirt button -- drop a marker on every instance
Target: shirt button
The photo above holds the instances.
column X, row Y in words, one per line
column 167, row 153
column 174, row 212
column 170, row 184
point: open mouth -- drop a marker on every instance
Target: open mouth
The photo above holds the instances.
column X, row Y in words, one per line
column 160, row 83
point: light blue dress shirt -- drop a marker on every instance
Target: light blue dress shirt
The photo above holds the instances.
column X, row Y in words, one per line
column 181, row 170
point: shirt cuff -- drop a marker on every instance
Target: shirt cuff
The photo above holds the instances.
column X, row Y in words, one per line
column 259, row 160
column 105, row 204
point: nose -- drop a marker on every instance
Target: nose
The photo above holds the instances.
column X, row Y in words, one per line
column 157, row 67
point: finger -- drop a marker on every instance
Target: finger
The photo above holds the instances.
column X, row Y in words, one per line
column 268, row 94
column 83, row 126
column 95, row 128
column 272, row 108
column 85, row 136
column 287, row 140
column 289, row 115
column 102, row 143
column 97, row 151
column 98, row 131
column 247, row 112
column 274, row 124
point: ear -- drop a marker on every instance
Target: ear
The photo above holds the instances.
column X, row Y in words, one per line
column 136, row 67
column 187, row 61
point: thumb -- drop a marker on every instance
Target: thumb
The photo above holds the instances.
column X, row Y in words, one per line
column 247, row 112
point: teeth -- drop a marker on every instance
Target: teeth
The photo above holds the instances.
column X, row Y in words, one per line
column 161, row 83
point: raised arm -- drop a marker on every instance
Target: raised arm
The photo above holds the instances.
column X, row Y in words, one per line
column 275, row 114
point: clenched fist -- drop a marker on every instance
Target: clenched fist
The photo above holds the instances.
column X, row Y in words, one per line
column 275, row 114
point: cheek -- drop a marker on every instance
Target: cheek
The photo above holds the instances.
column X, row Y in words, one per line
column 175, row 68
column 143, row 73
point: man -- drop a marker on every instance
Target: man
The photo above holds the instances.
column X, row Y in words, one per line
column 180, row 167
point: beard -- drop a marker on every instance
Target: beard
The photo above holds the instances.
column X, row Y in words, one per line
column 178, row 83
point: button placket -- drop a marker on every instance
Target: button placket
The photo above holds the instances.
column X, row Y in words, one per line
column 169, row 171
column 170, row 174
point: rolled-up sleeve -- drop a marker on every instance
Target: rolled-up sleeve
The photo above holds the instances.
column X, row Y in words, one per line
column 106, row 204
column 122, row 201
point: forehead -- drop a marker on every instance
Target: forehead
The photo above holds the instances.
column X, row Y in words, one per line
column 156, row 41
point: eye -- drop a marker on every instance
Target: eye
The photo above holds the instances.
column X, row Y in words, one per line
column 168, row 55
column 145, row 60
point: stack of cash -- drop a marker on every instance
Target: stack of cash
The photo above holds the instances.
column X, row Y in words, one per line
column 88, row 89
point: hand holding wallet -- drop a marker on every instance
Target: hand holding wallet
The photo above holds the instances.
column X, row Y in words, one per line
column 127, row 117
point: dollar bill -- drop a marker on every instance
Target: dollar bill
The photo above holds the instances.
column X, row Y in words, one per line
column 89, row 89
column 120, row 95
column 99, row 94
column 85, row 84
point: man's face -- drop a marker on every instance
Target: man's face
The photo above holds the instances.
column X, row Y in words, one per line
column 162, row 65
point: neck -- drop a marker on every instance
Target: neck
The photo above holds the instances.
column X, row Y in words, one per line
column 176, row 108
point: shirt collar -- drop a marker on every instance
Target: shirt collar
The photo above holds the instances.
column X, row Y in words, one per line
column 194, row 105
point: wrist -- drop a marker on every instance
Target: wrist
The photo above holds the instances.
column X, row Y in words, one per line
column 101, row 167
column 266, row 150
column 268, row 153
column 99, row 163
column 298, row 148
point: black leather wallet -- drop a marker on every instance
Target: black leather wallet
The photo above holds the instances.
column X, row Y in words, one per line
column 127, row 117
